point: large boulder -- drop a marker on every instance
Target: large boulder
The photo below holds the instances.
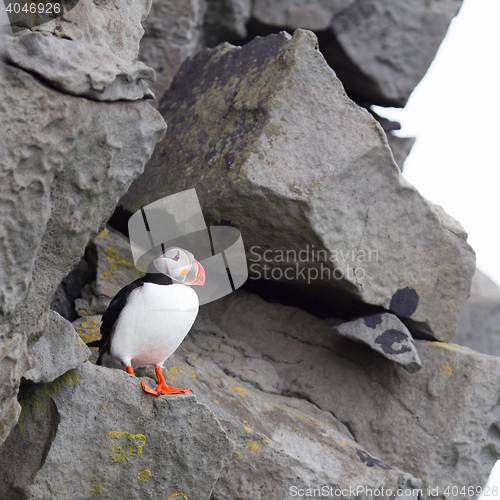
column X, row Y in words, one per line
column 66, row 160
column 283, row 443
column 479, row 322
column 94, row 431
column 439, row 424
column 269, row 139
column 116, row 25
column 173, row 32
column 381, row 49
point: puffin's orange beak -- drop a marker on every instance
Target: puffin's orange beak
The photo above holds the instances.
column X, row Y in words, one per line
column 200, row 275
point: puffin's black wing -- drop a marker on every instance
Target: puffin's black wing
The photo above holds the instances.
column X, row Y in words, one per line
column 116, row 306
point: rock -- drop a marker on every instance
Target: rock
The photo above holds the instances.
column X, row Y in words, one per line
column 281, row 442
column 311, row 15
column 400, row 147
column 409, row 421
column 381, row 49
column 60, row 349
column 61, row 178
column 93, row 431
column 115, row 268
column 61, row 304
column 225, row 20
column 116, row 25
column 479, row 324
column 270, row 141
column 173, row 31
column 385, row 334
column 70, row 67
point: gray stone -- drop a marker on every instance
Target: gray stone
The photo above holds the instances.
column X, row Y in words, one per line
column 70, row 67
column 225, row 20
column 115, row 268
column 61, row 178
column 269, row 139
column 479, row 323
column 400, row 147
column 93, row 431
column 60, row 349
column 381, row 49
column 173, row 31
column 280, row 441
column 385, row 334
column 440, row 424
column 114, row 24
column 61, row 304
column 312, row 15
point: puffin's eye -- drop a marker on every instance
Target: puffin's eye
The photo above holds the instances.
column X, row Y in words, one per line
column 176, row 258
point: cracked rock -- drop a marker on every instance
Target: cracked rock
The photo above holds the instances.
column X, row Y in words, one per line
column 272, row 144
column 381, row 49
column 66, row 161
column 113, row 24
column 93, row 431
column 280, row 442
column 115, row 268
column 385, row 334
column 70, row 67
column 59, row 349
column 440, row 423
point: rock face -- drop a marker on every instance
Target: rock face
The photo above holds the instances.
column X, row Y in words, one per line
column 95, row 432
column 173, row 32
column 115, row 268
column 450, row 406
column 270, row 141
column 479, row 323
column 58, row 351
column 315, row 15
column 385, row 334
column 282, row 443
column 381, row 49
column 66, row 160
column 116, row 25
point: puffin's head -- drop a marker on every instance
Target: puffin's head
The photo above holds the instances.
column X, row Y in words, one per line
column 181, row 266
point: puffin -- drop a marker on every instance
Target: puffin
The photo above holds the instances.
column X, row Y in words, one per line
column 148, row 319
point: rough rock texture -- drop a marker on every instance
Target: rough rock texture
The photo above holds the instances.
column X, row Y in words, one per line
column 173, row 31
column 280, row 442
column 94, row 431
column 70, row 67
column 479, row 323
column 59, row 350
column 439, row 424
column 381, row 49
column 312, row 15
column 66, row 161
column 270, row 141
column 115, row 268
column 114, row 24
column 225, row 20
column 385, row 334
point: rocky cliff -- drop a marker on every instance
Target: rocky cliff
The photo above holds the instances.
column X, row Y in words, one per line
column 332, row 367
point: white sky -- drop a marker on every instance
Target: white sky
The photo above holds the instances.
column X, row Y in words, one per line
column 455, row 115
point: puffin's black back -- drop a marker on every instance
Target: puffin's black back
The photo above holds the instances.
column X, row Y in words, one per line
column 115, row 307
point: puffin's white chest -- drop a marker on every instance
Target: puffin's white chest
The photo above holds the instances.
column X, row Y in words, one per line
column 153, row 323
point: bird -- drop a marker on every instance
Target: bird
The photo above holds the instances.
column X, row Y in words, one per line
column 148, row 319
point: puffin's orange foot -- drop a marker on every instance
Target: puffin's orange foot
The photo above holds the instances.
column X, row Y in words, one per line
column 148, row 389
column 163, row 388
column 167, row 389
